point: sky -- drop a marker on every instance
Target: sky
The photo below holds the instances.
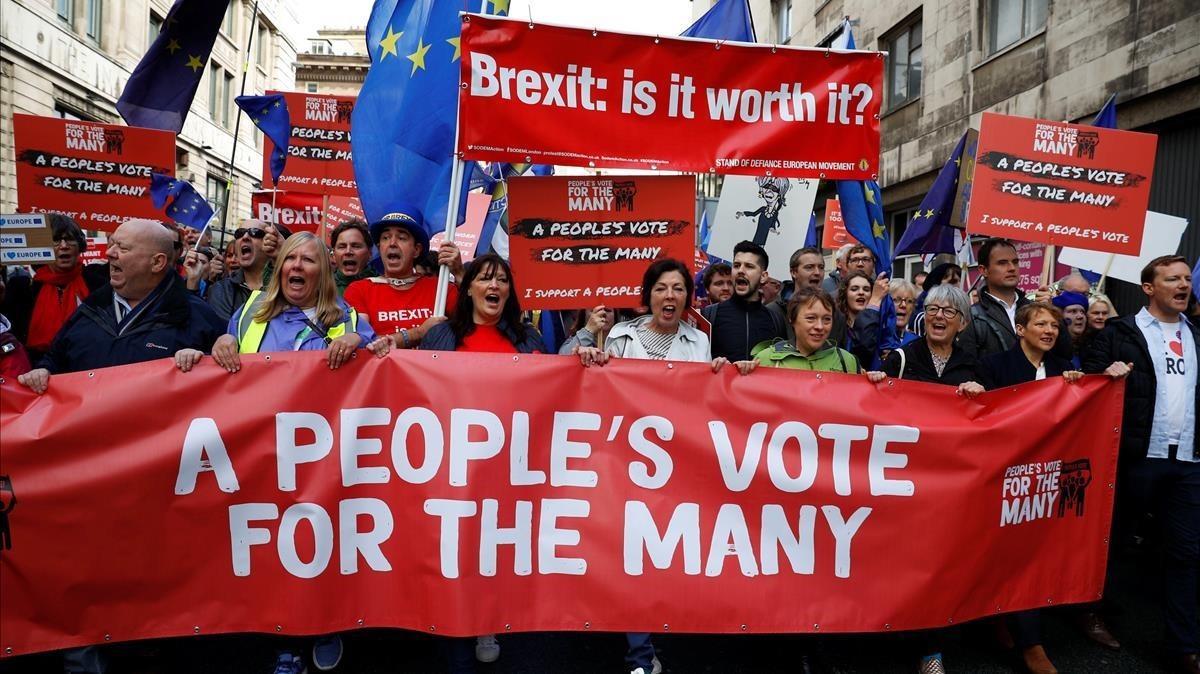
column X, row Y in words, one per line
column 636, row 16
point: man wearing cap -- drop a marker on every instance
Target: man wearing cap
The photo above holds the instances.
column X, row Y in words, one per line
column 399, row 304
column 255, row 243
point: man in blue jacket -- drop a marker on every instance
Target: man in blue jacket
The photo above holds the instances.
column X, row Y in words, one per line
column 144, row 314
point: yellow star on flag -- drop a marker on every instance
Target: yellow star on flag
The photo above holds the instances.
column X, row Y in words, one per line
column 956, row 161
column 173, row 45
column 929, row 213
column 457, row 47
column 916, row 216
column 868, row 193
column 388, row 44
column 194, row 63
column 418, row 57
column 877, row 229
column 499, row 6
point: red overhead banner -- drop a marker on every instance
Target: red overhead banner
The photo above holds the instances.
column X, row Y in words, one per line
column 96, row 174
column 319, row 158
column 641, row 496
column 554, row 95
column 577, row 241
column 1062, row 184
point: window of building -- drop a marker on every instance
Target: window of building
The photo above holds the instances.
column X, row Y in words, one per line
column 63, row 112
column 216, row 191
column 214, row 80
column 905, row 63
column 1010, row 21
column 783, row 20
column 155, row 27
column 311, row 87
column 227, row 25
column 95, row 17
column 66, row 10
column 226, row 99
column 264, row 46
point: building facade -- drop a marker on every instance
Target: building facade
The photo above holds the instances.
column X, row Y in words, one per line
column 335, row 62
column 952, row 60
column 71, row 58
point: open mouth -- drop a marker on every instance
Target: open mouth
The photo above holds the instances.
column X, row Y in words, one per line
column 349, row 265
column 492, row 301
column 1181, row 297
column 741, row 283
column 296, row 282
column 937, row 327
column 669, row 310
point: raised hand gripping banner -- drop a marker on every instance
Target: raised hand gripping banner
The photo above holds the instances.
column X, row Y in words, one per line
column 554, row 95
column 463, row 494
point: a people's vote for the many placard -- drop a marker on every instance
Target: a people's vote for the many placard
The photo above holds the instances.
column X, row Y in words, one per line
column 579, row 241
column 1061, row 184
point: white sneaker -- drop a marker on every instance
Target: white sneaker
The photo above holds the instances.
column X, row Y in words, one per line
column 486, row 648
column 655, row 665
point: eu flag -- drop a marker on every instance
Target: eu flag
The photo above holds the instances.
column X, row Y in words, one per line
column 1107, row 117
column 185, row 206
column 862, row 211
column 161, row 88
column 861, row 201
column 404, row 121
column 270, row 115
column 725, row 20
column 930, row 230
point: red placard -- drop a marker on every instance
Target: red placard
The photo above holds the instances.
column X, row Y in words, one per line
column 578, row 241
column 834, row 235
column 300, row 211
column 96, row 174
column 555, row 95
column 289, row 498
column 319, row 158
column 97, row 250
column 1061, row 184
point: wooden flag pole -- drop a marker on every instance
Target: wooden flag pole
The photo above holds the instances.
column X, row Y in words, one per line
column 1104, row 276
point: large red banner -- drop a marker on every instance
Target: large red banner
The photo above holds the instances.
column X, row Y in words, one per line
column 319, row 158
column 554, row 95
column 97, row 174
column 466, row 494
column 1062, row 184
column 578, row 241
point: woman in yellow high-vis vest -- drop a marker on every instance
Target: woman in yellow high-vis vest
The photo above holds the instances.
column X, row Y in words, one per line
column 298, row 311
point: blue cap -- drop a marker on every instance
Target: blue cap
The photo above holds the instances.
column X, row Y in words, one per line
column 1069, row 299
column 405, row 218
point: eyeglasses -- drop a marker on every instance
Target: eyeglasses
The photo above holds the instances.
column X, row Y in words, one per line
column 254, row 232
column 944, row 311
column 860, row 260
column 903, row 301
column 59, row 238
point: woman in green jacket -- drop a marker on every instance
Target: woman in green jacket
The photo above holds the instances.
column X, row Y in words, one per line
column 810, row 311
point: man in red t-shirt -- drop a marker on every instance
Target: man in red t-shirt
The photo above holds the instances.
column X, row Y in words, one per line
column 399, row 304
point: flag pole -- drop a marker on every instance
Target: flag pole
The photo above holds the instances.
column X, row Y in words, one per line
column 237, row 125
column 1107, row 268
column 456, row 178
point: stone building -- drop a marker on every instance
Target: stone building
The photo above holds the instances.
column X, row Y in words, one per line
column 951, row 60
column 335, row 62
column 71, row 58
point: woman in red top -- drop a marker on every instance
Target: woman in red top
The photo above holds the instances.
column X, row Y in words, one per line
column 487, row 315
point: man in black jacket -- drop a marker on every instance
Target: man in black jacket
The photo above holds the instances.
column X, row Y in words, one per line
column 743, row 321
column 1159, row 466
column 993, row 326
column 145, row 313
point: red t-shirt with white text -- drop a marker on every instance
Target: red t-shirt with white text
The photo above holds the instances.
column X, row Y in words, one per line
column 389, row 307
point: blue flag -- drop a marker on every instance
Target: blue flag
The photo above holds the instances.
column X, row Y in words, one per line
column 725, row 20
column 161, row 88
column 551, row 327
column 404, row 120
column 930, row 232
column 862, row 211
column 810, row 239
column 270, row 115
column 861, row 200
column 184, row 204
column 705, row 231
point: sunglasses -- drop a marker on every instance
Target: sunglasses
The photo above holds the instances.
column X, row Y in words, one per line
column 254, row 232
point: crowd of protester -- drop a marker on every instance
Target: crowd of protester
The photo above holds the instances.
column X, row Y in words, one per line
column 167, row 293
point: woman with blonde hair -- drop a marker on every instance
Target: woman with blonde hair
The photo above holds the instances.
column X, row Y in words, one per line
column 298, row 311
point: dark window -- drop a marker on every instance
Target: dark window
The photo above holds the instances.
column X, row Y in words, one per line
column 95, row 18
column 1010, row 21
column 156, row 24
column 66, row 10
column 904, row 63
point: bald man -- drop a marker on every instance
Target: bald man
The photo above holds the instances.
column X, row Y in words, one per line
column 145, row 313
